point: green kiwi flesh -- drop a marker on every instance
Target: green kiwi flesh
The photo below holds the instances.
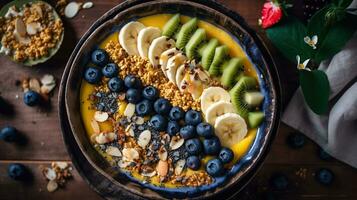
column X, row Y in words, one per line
column 201, row 48
column 244, row 84
column 233, row 68
column 171, row 26
column 219, row 56
column 255, row 119
column 185, row 33
column 197, row 38
column 208, row 53
column 253, row 98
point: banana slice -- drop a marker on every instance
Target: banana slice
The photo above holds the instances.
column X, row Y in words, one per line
column 145, row 37
column 164, row 57
column 158, row 46
column 217, row 109
column 180, row 74
column 230, row 128
column 128, row 36
column 212, row 95
column 172, row 64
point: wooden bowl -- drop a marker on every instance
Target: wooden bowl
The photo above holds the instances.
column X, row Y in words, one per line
column 211, row 12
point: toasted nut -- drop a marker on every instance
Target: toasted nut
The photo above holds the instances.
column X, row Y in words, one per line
column 47, row 79
column 95, row 126
column 162, row 168
column 50, row 174
column 20, row 27
column 148, row 174
column 35, row 85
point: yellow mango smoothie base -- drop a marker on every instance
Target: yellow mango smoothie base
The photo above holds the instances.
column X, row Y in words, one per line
column 159, row 20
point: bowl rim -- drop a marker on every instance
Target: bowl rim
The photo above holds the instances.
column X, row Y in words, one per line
column 236, row 18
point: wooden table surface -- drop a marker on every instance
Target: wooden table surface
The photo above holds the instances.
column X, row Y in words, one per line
column 45, row 144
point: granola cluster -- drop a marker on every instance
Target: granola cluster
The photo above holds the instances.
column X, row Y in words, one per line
column 30, row 33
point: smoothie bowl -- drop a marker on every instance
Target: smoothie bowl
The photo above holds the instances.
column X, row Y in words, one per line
column 172, row 99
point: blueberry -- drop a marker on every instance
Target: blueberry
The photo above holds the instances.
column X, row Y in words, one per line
column 99, row 57
column 116, row 84
column 214, row 167
column 9, row 134
column 193, row 162
column 188, row 132
column 325, row 176
column 193, row 117
column 176, row 113
column 159, row 122
column 17, row 171
column 211, row 146
column 193, row 146
column 226, row 155
column 32, row 98
column 172, row 128
column 110, row 70
column 279, row 182
column 205, row 130
column 92, row 75
column 144, row 107
column 296, row 140
column 133, row 96
column 131, row 81
column 162, row 106
column 150, row 93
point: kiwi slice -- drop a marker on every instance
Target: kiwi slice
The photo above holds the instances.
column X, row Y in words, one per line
column 208, row 53
column 232, row 69
column 201, row 48
column 185, row 33
column 253, row 98
column 197, row 38
column 245, row 83
column 171, row 26
column 255, row 119
column 219, row 55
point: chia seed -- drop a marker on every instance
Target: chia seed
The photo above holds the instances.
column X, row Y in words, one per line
column 106, row 102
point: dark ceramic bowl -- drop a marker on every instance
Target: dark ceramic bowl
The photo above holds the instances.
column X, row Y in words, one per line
column 206, row 10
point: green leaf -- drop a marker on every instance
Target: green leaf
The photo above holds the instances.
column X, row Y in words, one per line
column 336, row 37
column 316, row 89
column 317, row 24
column 288, row 37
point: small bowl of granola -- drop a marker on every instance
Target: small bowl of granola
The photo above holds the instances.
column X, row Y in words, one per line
column 31, row 31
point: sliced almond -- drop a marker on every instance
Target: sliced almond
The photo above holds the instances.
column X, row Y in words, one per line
column 176, row 142
column 62, row 165
column 148, row 174
column 113, row 151
column 165, row 138
column 162, row 168
column 93, row 137
column 139, row 120
column 129, row 110
column 33, row 28
column 20, row 27
column 104, row 138
column 52, row 186
column 34, row 85
column 87, row 5
column 47, row 79
column 144, row 138
column 95, row 126
column 100, row 116
column 46, row 89
column 162, row 153
column 71, row 9
column 50, row 174
column 129, row 130
column 180, row 165
column 130, row 154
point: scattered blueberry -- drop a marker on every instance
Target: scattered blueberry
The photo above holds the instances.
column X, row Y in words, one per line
column 9, row 134
column 92, row 75
column 115, row 84
column 325, row 176
column 110, row 70
column 279, row 182
column 159, row 122
column 131, row 81
column 211, row 146
column 214, row 167
column 32, row 98
column 226, row 155
column 296, row 140
column 205, row 130
column 193, row 117
column 172, row 128
column 188, row 132
column 144, row 107
column 150, row 93
column 133, row 96
column 176, row 113
column 162, row 106
column 99, row 57
column 193, row 146
column 324, row 155
column 17, row 171
column 193, row 162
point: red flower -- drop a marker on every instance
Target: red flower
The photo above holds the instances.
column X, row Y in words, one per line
column 271, row 14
